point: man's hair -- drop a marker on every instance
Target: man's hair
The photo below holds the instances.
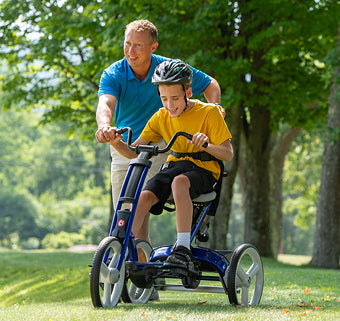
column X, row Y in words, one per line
column 143, row 25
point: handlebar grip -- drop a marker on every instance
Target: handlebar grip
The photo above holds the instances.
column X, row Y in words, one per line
column 122, row 130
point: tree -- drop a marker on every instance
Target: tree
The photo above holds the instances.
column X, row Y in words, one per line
column 326, row 252
column 17, row 216
column 47, row 182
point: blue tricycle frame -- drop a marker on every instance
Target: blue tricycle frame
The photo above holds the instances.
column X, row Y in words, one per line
column 125, row 269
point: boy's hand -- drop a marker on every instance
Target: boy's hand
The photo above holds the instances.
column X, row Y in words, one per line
column 199, row 139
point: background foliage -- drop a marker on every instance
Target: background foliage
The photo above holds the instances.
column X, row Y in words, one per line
column 49, row 197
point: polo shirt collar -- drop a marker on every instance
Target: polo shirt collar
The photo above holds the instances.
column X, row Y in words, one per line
column 131, row 75
column 153, row 65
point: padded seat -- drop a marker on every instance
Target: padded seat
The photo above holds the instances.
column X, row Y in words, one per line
column 203, row 198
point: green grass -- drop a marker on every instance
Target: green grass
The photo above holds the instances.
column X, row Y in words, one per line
column 41, row 285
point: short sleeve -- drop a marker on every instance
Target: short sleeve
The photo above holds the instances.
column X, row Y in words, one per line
column 109, row 84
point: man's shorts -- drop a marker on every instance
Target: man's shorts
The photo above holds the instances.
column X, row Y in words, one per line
column 201, row 181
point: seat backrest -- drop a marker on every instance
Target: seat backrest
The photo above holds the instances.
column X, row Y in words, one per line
column 217, row 189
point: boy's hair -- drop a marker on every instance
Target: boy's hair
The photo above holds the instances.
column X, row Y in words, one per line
column 144, row 25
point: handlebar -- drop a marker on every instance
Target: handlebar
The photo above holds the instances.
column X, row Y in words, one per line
column 153, row 149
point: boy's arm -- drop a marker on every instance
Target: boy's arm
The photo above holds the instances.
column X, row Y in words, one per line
column 122, row 147
column 222, row 152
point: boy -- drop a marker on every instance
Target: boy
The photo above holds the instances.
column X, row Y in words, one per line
column 188, row 171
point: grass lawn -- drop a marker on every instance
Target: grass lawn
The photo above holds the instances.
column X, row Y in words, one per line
column 41, row 285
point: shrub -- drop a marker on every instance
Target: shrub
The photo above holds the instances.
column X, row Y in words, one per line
column 62, row 240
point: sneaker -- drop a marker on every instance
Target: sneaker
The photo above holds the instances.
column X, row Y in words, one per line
column 180, row 255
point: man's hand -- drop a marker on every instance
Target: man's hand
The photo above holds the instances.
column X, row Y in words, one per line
column 104, row 134
column 221, row 110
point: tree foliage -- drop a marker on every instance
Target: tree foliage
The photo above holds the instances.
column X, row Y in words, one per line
column 47, row 183
column 56, row 50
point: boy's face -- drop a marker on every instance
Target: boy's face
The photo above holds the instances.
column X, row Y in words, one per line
column 173, row 99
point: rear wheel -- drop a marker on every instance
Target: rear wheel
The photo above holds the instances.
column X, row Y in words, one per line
column 131, row 293
column 106, row 282
column 244, row 277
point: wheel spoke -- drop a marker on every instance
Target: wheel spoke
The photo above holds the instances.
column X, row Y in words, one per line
column 242, row 277
column 253, row 270
column 104, row 273
column 244, row 296
column 133, row 290
column 107, row 295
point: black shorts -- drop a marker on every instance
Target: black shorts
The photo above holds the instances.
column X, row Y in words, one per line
column 201, row 181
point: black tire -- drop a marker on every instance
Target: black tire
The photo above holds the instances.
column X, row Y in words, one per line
column 245, row 276
column 106, row 282
column 131, row 293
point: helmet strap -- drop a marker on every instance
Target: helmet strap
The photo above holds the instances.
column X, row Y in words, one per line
column 186, row 100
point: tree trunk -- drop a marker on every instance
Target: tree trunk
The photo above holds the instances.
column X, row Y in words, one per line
column 326, row 238
column 256, row 180
column 280, row 143
column 220, row 224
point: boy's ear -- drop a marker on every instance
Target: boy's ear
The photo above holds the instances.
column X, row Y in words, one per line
column 189, row 92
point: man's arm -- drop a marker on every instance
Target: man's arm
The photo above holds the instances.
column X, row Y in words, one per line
column 104, row 116
column 212, row 94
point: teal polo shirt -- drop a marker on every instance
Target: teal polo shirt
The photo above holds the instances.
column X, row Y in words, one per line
column 138, row 100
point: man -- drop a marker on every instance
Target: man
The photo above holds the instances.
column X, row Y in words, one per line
column 126, row 91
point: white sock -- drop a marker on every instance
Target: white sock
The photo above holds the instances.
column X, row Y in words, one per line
column 183, row 239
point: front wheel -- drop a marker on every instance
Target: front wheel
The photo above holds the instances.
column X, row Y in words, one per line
column 131, row 293
column 106, row 282
column 245, row 276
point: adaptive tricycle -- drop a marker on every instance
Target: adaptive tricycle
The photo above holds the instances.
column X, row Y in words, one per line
column 128, row 269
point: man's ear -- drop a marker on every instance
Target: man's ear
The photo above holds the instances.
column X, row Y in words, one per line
column 154, row 47
column 189, row 92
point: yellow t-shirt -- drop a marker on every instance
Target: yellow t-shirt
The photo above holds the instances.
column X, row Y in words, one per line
column 203, row 118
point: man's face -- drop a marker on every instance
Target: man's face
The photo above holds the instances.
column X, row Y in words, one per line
column 173, row 99
column 138, row 47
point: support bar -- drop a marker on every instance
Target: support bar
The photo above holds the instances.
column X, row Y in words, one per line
column 201, row 288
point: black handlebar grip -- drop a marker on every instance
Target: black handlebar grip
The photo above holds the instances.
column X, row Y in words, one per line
column 121, row 130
